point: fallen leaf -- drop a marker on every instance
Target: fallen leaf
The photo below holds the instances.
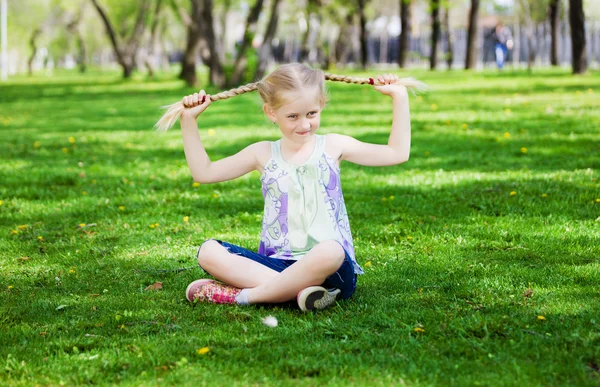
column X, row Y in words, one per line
column 155, row 286
column 528, row 293
column 61, row 307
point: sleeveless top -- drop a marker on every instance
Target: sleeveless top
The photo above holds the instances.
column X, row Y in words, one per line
column 304, row 205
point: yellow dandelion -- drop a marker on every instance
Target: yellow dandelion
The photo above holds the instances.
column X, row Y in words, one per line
column 152, row 226
column 409, row 237
column 513, row 193
column 186, row 219
column 215, row 195
column 71, row 271
column 82, row 225
column 14, row 232
column 544, row 195
column 1, row 202
column 195, row 184
column 523, row 150
column 10, row 287
column 368, row 264
column 211, row 132
column 37, row 144
column 541, row 318
column 40, row 238
column 392, row 197
column 419, row 330
column 72, row 140
column 465, row 126
column 506, row 135
column 203, row 351
column 65, row 150
column 434, row 106
column 122, row 208
column 84, row 192
column 22, row 227
column 597, row 200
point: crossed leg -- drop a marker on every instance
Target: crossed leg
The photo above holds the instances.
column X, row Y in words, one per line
column 264, row 284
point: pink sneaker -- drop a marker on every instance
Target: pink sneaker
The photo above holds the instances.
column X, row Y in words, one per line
column 211, row 291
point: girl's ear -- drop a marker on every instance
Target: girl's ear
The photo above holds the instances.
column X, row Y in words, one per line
column 269, row 112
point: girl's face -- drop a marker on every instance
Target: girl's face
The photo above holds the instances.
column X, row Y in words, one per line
column 300, row 117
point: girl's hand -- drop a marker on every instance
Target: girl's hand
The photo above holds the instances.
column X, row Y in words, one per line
column 388, row 85
column 193, row 104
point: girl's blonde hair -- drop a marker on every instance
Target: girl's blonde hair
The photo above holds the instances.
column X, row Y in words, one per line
column 286, row 78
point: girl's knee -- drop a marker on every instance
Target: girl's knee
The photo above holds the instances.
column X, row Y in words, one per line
column 332, row 254
column 208, row 252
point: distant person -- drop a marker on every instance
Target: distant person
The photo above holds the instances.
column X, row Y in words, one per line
column 306, row 251
column 503, row 42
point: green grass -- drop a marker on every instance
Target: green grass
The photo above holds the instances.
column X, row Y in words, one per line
column 501, row 195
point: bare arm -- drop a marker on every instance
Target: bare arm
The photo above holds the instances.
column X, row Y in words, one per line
column 397, row 150
column 203, row 170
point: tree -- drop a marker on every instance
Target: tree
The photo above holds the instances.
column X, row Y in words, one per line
column 265, row 49
column 363, row 32
column 153, row 37
column 126, row 52
column 578, row 43
column 240, row 61
column 217, row 73
column 435, row 33
column 194, row 40
column 449, row 38
column 554, row 16
column 472, row 49
column 405, row 6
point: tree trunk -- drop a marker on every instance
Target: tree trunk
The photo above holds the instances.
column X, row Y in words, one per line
column 32, row 43
column 404, row 47
column 554, row 16
column 449, row 39
column 240, row 61
column 343, row 45
column 265, row 49
column 73, row 28
column 217, row 74
column 153, row 35
column 472, row 35
column 194, row 42
column 435, row 33
column 363, row 33
column 125, row 55
column 577, row 22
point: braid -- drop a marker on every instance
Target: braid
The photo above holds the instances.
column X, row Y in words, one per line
column 174, row 110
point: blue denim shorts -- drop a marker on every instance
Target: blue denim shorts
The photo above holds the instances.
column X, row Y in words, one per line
column 344, row 278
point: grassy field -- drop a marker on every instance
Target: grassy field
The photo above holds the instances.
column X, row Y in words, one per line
column 481, row 253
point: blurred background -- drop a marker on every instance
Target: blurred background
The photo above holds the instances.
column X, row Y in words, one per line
column 237, row 41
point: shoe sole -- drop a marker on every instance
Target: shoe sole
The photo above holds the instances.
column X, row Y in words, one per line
column 316, row 297
column 197, row 283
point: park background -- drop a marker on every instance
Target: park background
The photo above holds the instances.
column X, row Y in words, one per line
column 480, row 253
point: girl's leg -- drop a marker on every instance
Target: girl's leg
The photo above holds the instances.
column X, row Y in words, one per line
column 320, row 262
column 232, row 269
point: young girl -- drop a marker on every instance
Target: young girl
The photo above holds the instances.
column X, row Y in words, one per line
column 306, row 248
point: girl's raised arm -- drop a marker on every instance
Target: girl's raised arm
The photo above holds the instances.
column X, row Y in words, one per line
column 397, row 149
column 203, row 170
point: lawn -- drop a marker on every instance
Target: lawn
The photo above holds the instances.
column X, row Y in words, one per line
column 481, row 253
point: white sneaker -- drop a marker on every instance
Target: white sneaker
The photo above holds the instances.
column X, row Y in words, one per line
column 316, row 297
